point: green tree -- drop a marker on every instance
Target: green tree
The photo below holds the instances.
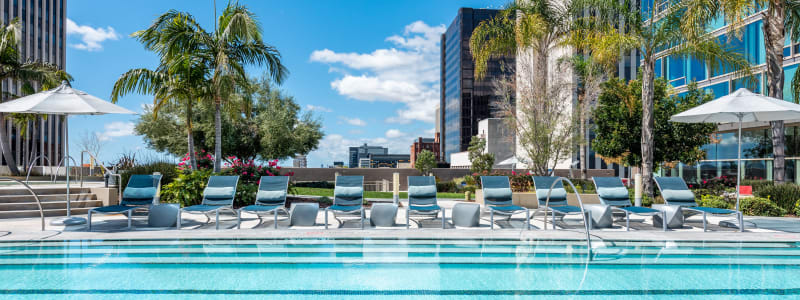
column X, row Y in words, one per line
column 615, row 27
column 780, row 17
column 618, row 128
column 272, row 127
column 28, row 73
column 425, row 162
column 235, row 43
column 481, row 162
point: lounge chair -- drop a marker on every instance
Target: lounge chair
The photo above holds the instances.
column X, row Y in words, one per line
column 675, row 192
column 141, row 192
column 497, row 197
column 613, row 193
column 558, row 198
column 270, row 198
column 422, row 199
column 218, row 195
column 348, row 199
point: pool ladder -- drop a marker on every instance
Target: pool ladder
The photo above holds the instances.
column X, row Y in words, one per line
column 35, row 196
column 586, row 218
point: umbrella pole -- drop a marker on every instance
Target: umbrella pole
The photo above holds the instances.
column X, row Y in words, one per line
column 66, row 159
column 739, row 164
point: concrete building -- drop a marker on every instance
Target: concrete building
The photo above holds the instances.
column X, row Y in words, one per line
column 356, row 154
column 388, row 160
column 500, row 141
column 430, row 144
column 338, row 164
column 300, row 161
column 43, row 37
column 464, row 101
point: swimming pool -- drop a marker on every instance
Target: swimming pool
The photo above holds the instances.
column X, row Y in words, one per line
column 396, row 268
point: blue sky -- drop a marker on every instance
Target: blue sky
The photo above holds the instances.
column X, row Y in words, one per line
column 368, row 69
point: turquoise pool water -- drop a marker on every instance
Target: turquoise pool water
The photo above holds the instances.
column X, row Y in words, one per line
column 396, row 268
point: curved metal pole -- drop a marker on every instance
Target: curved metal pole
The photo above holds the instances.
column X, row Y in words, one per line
column 583, row 213
column 33, row 162
column 35, row 196
column 61, row 162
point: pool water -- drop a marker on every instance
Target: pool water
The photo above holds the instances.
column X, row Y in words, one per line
column 397, row 268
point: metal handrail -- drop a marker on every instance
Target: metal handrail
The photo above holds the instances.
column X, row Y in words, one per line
column 60, row 163
column 105, row 171
column 33, row 162
column 35, row 196
column 583, row 212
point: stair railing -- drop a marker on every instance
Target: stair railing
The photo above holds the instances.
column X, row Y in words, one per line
column 54, row 176
column 586, row 219
column 35, row 196
column 33, row 162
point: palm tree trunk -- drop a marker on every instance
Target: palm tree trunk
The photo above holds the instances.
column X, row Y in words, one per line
column 648, row 123
column 217, row 135
column 774, row 38
column 190, row 136
column 6, row 145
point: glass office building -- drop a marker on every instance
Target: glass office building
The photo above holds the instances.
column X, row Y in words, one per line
column 756, row 140
column 465, row 101
column 43, row 24
column 356, row 154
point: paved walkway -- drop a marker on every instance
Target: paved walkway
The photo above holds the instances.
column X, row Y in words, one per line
column 194, row 226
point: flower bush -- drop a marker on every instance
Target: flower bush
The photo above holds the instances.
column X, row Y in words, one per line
column 205, row 161
column 713, row 201
column 249, row 175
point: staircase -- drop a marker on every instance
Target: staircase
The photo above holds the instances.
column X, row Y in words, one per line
column 17, row 202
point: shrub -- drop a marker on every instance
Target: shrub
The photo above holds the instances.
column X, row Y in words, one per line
column 797, row 208
column 245, row 194
column 167, row 170
column 784, row 195
column 316, row 184
column 205, row 161
column 446, row 187
column 713, row 201
column 187, row 189
column 757, row 206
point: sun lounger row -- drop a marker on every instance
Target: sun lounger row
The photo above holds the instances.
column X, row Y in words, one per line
column 348, row 199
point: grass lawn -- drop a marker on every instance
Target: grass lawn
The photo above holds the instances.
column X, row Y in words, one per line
column 381, row 195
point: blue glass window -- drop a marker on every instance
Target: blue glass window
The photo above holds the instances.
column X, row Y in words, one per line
column 719, row 89
column 789, row 73
column 753, row 84
column 658, row 68
column 697, row 70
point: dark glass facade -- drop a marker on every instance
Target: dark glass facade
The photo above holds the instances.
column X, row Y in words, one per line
column 465, row 101
column 364, row 151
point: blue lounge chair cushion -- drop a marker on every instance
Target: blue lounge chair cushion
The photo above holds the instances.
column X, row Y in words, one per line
column 638, row 209
column 345, row 207
column 556, row 195
column 139, row 193
column 497, row 193
column 678, row 195
column 348, row 191
column 219, row 192
column 506, row 208
column 424, row 208
column 267, row 196
column 202, row 207
column 258, row 208
column 114, row 208
column 712, row 210
column 613, row 193
column 422, row 191
column 566, row 209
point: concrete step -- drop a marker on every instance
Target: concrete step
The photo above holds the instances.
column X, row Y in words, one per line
column 49, row 205
column 45, row 198
column 6, row 191
column 47, row 213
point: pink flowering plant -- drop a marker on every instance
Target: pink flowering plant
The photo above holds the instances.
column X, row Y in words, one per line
column 205, row 161
column 249, row 171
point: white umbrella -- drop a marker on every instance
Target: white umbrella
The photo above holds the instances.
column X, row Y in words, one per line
column 513, row 161
column 66, row 101
column 737, row 107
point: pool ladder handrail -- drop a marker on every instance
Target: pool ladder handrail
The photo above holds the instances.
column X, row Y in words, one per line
column 586, row 219
column 33, row 162
column 35, row 196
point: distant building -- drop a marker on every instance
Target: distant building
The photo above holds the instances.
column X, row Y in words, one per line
column 430, row 144
column 388, row 160
column 300, row 161
column 338, row 164
column 357, row 153
column 500, row 140
column 464, row 101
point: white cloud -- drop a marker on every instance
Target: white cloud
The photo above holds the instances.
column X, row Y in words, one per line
column 318, row 108
column 91, row 38
column 406, row 73
column 394, row 133
column 354, row 121
column 116, row 129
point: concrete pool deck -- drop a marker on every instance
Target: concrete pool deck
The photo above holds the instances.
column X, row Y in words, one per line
column 194, row 227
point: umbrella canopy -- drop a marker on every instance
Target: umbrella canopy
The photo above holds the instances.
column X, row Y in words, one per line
column 63, row 100
column 740, row 106
column 509, row 161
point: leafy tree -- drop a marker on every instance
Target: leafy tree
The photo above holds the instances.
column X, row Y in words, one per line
column 235, row 43
column 618, row 128
column 481, row 162
column 780, row 17
column 272, row 127
column 615, row 27
column 28, row 73
column 425, row 162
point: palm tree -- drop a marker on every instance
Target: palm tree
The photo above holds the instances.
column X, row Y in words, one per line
column 610, row 27
column 234, row 44
column 780, row 17
column 29, row 73
column 180, row 84
column 590, row 76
